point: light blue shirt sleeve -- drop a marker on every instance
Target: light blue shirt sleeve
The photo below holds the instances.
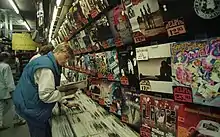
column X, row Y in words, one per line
column 9, row 79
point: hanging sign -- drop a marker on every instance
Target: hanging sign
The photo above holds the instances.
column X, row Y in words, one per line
column 23, row 41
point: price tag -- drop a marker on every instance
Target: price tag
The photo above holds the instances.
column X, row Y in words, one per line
column 101, row 101
column 142, row 53
column 105, row 44
column 110, row 77
column 138, row 37
column 124, row 118
column 113, row 108
column 94, row 13
column 100, row 75
column 182, row 94
column 124, row 80
column 175, row 27
column 118, row 42
column 145, row 85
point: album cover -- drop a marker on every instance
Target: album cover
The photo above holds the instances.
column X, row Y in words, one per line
column 128, row 67
column 154, row 64
column 93, row 66
column 113, row 65
column 103, row 31
column 131, row 109
column 158, row 117
column 94, row 7
column 145, row 18
column 116, row 99
column 200, row 18
column 77, row 15
column 80, row 40
column 195, row 65
column 95, row 88
column 120, row 25
column 92, row 32
column 194, row 121
column 101, row 65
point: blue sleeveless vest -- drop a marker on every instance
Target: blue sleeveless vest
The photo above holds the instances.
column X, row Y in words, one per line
column 26, row 97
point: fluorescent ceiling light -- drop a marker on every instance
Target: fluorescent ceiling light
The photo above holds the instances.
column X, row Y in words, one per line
column 14, row 6
column 58, row 2
column 27, row 26
column 55, row 10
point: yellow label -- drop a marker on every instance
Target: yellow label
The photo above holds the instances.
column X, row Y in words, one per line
column 23, row 41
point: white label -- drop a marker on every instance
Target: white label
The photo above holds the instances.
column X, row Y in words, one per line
column 142, row 53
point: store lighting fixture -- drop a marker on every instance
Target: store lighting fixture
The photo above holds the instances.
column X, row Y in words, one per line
column 55, row 11
column 27, row 26
column 14, row 6
column 58, row 2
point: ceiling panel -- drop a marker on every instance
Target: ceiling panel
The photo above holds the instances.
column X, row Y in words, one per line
column 27, row 10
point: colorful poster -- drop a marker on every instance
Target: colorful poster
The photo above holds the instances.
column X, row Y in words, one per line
column 158, row 117
column 145, row 18
column 198, row 121
column 196, row 65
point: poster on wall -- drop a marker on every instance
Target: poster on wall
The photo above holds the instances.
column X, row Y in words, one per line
column 200, row 18
column 145, row 18
column 158, row 117
column 154, row 67
column 128, row 67
column 113, row 65
column 195, row 65
column 120, row 26
column 194, row 121
column 131, row 108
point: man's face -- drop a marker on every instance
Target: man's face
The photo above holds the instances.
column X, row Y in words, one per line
column 63, row 57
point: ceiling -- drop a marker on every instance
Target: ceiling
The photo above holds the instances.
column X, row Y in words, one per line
column 27, row 11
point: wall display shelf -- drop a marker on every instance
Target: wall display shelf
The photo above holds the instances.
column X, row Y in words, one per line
column 145, row 66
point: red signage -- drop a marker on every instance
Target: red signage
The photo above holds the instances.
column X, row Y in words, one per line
column 175, row 27
column 101, row 101
column 110, row 77
column 94, row 13
column 138, row 37
column 182, row 94
column 124, row 80
column 118, row 42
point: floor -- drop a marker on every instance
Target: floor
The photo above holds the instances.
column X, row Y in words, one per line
column 21, row 131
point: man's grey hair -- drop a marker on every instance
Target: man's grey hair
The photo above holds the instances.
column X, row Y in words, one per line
column 63, row 47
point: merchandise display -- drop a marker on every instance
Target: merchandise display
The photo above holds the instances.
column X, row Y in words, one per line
column 145, row 18
column 200, row 18
column 158, row 117
column 131, row 108
column 113, row 65
column 152, row 66
column 197, row 122
column 89, row 119
column 128, row 67
column 155, row 69
column 195, row 65
column 101, row 63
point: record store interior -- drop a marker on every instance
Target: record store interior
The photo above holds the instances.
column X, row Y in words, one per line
column 110, row 68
